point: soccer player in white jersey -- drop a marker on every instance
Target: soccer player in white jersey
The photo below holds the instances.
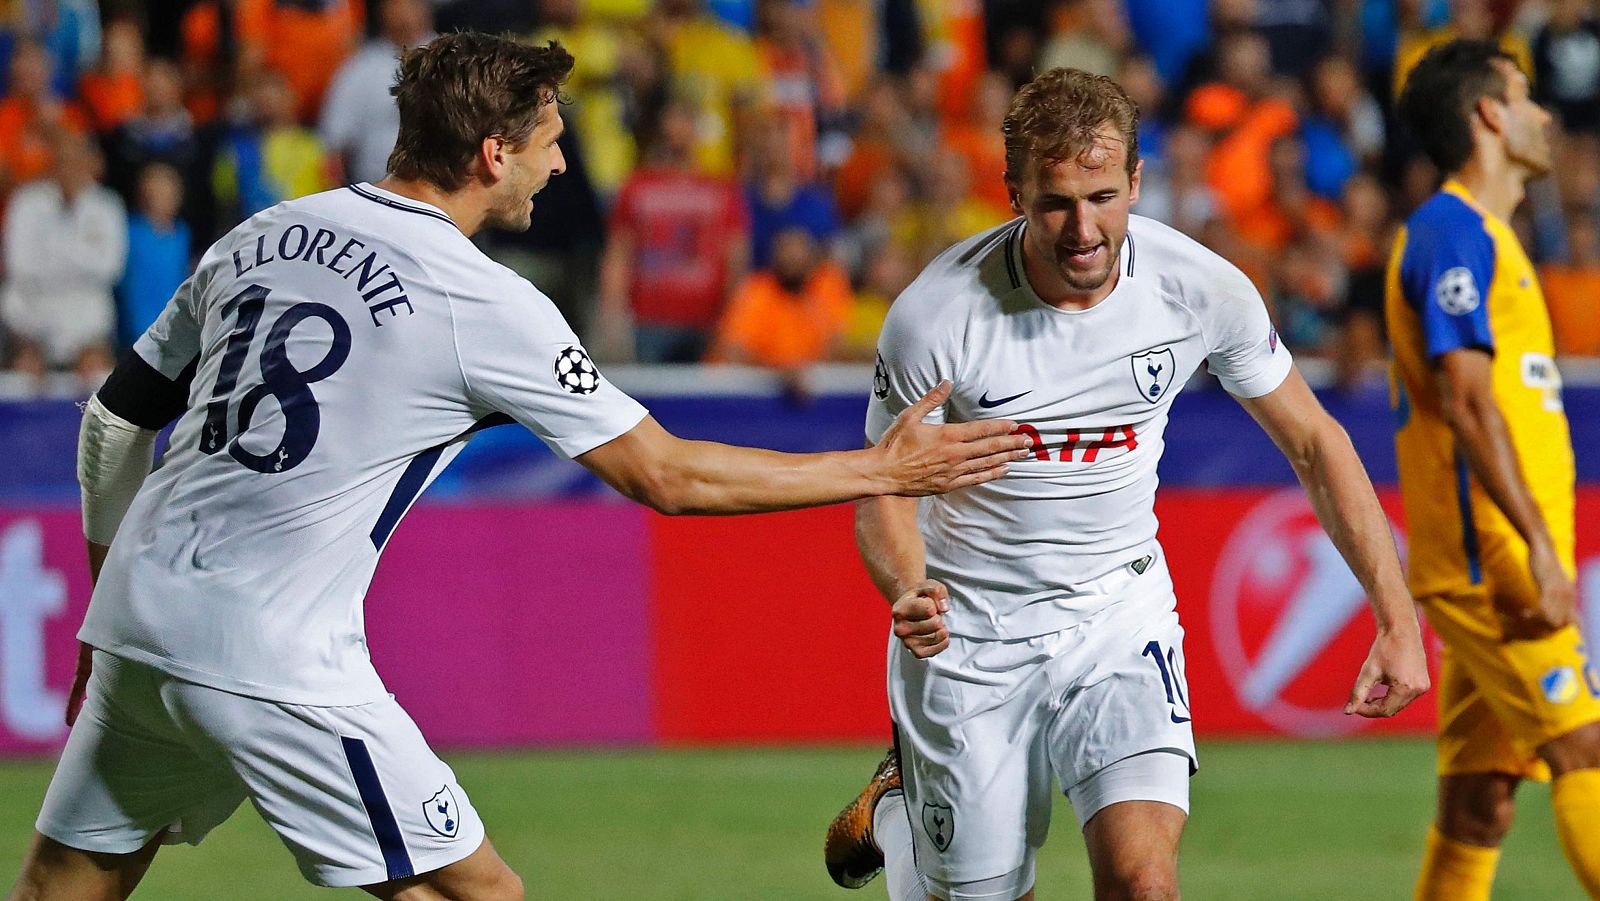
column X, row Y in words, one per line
column 326, row 360
column 1035, row 630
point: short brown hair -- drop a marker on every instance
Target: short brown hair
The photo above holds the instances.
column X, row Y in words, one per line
column 465, row 87
column 1058, row 115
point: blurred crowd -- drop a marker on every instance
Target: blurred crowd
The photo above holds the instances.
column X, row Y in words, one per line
column 755, row 181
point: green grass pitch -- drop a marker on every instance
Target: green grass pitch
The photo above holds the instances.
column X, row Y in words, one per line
column 1278, row 821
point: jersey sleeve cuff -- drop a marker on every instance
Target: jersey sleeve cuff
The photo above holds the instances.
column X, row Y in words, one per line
column 1266, row 380
column 571, row 446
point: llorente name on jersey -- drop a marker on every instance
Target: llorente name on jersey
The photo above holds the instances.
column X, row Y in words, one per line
column 297, row 243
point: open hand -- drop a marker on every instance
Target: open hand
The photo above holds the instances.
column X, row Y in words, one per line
column 924, row 459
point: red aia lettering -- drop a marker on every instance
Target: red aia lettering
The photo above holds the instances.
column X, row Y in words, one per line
column 1116, row 436
column 1109, row 439
column 1035, row 443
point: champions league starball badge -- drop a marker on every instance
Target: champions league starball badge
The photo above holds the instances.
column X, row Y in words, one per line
column 575, row 373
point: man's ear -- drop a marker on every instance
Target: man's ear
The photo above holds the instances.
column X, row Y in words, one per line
column 1133, row 182
column 1492, row 113
column 491, row 157
column 1014, row 193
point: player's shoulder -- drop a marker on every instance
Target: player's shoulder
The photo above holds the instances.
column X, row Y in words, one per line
column 969, row 274
column 1181, row 269
column 1447, row 217
column 1445, row 210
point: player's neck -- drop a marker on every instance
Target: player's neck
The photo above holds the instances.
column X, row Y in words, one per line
column 467, row 212
column 1495, row 185
column 1054, row 290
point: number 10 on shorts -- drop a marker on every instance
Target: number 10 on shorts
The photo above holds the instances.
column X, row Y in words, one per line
column 1171, row 678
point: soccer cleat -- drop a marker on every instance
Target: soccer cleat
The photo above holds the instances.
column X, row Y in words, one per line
column 851, row 853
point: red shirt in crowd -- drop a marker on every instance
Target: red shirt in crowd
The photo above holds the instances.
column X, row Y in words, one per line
column 681, row 224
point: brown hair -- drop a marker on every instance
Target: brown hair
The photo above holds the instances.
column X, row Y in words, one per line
column 465, row 87
column 1058, row 115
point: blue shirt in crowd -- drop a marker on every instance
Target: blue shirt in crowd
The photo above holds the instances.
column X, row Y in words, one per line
column 158, row 262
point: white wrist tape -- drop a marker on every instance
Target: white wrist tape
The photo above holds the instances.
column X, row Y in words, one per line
column 114, row 456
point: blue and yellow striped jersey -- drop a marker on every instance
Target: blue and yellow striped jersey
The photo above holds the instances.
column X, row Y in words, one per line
column 1458, row 278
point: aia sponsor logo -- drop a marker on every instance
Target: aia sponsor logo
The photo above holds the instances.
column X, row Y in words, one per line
column 1288, row 618
column 1080, row 445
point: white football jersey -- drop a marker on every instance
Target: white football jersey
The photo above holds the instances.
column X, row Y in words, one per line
column 348, row 343
column 1090, row 388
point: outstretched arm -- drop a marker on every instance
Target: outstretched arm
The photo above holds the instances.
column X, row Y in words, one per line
column 1342, row 496
column 676, row 476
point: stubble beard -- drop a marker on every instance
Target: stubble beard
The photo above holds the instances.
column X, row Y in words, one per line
column 1089, row 281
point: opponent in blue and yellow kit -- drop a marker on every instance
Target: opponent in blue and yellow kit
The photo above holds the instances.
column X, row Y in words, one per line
column 1459, row 278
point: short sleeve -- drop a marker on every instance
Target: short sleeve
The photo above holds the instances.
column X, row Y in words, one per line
column 520, row 358
column 173, row 341
column 1242, row 346
column 1445, row 274
column 909, row 364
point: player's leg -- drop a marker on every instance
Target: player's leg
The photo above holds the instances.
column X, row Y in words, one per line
column 1462, row 853
column 127, row 780
column 872, row 830
column 1502, row 705
column 1574, row 761
column 1478, row 762
column 975, row 773
column 55, row 872
column 354, row 793
column 1133, row 845
column 1122, row 743
column 480, row 876
column 1133, row 812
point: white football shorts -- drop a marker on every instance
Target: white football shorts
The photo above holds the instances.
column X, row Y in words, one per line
column 984, row 725
column 354, row 792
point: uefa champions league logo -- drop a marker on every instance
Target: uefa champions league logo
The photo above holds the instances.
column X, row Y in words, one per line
column 1283, row 602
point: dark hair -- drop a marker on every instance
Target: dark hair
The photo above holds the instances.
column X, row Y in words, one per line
column 1058, row 115
column 1440, row 95
column 465, row 87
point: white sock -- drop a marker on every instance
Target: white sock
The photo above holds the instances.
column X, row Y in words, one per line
column 892, row 829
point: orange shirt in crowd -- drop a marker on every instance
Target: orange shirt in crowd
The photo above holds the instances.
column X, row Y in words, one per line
column 305, row 46
column 112, row 99
column 869, row 161
column 768, row 326
column 25, row 139
column 799, row 85
column 1239, row 168
column 955, row 35
column 985, row 154
column 1573, row 294
column 849, row 28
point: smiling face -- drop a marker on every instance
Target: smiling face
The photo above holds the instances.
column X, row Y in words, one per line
column 524, row 171
column 1077, row 215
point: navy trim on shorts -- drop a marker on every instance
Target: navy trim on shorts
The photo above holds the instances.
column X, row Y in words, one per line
column 397, row 205
column 384, row 826
column 415, row 478
column 1469, row 530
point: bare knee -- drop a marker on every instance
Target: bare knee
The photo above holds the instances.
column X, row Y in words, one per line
column 53, row 870
column 1577, row 750
column 1144, row 884
column 509, row 888
column 1477, row 808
